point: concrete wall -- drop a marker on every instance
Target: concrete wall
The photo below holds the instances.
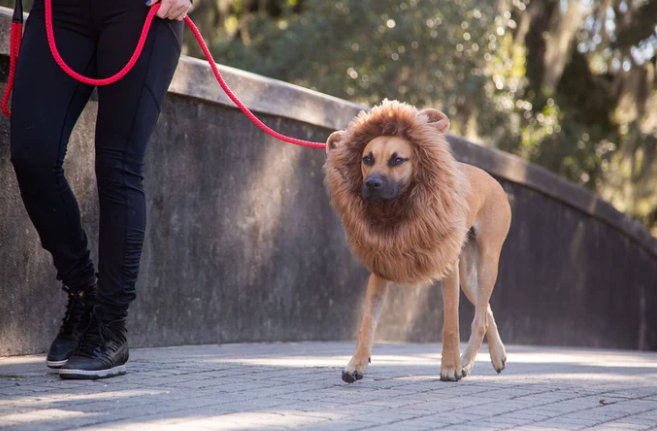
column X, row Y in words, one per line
column 242, row 244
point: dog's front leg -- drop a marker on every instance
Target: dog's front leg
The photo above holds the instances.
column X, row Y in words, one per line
column 377, row 288
column 450, row 368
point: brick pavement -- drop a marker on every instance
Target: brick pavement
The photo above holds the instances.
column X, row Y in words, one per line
column 298, row 386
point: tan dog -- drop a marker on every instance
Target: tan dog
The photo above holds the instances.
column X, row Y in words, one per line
column 413, row 215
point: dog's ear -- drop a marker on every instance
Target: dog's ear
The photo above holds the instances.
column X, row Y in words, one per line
column 436, row 119
column 333, row 141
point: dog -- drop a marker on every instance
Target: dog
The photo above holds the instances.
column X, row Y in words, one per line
column 413, row 215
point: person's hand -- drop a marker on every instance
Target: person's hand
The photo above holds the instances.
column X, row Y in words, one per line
column 171, row 9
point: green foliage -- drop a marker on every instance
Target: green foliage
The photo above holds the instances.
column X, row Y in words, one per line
column 419, row 51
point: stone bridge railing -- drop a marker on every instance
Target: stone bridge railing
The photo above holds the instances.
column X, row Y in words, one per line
column 242, row 245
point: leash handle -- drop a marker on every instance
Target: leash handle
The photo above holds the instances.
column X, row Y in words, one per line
column 15, row 41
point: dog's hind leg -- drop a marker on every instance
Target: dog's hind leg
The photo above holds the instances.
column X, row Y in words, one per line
column 468, row 277
column 490, row 228
column 495, row 346
column 377, row 288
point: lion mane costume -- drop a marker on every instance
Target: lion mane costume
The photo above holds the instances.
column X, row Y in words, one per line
column 417, row 237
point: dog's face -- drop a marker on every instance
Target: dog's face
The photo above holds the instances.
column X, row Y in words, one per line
column 387, row 168
column 387, row 161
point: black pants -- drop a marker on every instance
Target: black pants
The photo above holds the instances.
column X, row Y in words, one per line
column 96, row 38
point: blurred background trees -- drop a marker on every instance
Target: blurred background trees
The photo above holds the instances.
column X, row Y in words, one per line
column 569, row 84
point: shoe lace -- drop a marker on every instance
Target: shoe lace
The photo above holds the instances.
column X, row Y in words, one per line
column 74, row 312
column 96, row 335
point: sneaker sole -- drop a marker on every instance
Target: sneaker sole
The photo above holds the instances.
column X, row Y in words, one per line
column 56, row 364
column 92, row 375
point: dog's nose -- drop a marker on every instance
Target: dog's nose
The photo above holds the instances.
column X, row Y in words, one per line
column 374, row 183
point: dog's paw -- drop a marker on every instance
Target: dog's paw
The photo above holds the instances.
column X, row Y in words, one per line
column 450, row 374
column 355, row 370
column 350, row 377
column 450, row 369
column 450, row 365
column 499, row 363
column 467, row 367
column 497, row 356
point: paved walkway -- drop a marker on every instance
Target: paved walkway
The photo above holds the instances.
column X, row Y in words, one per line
column 298, row 386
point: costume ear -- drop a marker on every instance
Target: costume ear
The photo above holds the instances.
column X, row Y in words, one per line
column 333, row 141
column 436, row 119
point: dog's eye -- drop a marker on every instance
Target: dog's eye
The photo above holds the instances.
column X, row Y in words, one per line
column 368, row 160
column 396, row 161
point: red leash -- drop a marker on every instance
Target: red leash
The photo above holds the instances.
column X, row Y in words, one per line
column 14, row 47
column 15, row 41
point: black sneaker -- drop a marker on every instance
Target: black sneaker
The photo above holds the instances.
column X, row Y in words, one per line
column 76, row 320
column 103, row 352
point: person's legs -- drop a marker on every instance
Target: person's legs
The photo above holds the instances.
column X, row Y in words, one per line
column 45, row 107
column 127, row 114
column 128, row 111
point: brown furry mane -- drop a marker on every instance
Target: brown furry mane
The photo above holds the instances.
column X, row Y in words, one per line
column 417, row 237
